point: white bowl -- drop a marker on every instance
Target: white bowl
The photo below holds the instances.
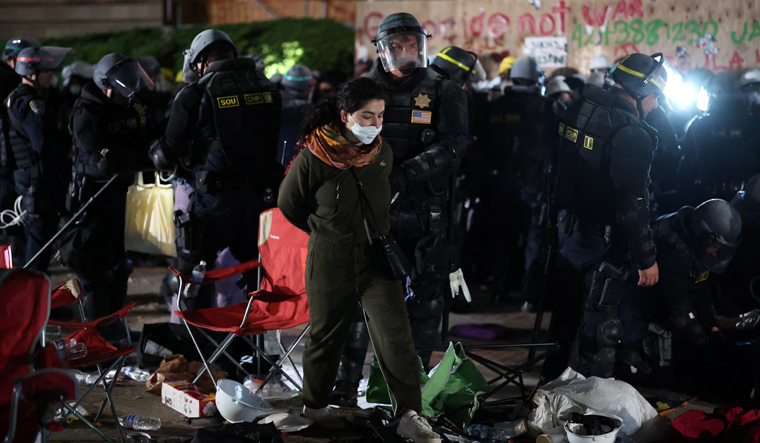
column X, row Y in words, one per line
column 237, row 403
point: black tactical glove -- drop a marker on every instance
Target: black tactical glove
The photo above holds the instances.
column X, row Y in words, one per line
column 397, row 180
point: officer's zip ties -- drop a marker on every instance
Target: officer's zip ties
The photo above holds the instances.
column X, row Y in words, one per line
column 16, row 214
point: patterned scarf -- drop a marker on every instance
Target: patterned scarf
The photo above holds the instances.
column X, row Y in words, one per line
column 331, row 147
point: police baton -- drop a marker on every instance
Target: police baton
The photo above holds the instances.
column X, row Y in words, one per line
column 71, row 220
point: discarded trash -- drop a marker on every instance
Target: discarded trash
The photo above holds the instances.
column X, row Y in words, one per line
column 288, row 422
column 83, row 378
column 273, row 389
column 136, row 373
column 133, row 421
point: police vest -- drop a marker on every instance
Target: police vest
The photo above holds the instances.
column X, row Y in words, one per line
column 21, row 145
column 247, row 112
column 411, row 117
column 584, row 184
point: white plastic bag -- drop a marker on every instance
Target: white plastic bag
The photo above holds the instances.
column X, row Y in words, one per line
column 572, row 392
column 149, row 227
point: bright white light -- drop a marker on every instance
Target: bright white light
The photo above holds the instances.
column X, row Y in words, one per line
column 683, row 96
column 703, row 99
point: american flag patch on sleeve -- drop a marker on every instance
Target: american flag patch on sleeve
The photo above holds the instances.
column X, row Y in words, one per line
column 422, row 117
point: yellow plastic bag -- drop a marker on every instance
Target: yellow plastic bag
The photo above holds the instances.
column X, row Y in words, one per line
column 149, row 226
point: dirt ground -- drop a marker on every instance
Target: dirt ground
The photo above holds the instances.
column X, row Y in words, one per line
column 131, row 397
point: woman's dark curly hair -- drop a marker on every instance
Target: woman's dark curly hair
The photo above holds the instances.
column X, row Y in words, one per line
column 352, row 95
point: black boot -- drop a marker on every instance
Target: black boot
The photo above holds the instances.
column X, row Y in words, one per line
column 351, row 363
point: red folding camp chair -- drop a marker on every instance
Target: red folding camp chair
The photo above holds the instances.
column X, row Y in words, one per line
column 279, row 303
column 25, row 390
column 99, row 350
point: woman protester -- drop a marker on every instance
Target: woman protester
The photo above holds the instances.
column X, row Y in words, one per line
column 341, row 152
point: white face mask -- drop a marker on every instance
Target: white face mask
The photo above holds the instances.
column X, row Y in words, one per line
column 365, row 134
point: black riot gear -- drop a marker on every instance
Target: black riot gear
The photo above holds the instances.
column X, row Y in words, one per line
column 716, row 227
column 603, row 162
column 413, row 121
column 119, row 72
column 747, row 201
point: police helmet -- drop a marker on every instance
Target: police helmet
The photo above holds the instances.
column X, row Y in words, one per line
column 506, row 64
column 459, row 64
column 750, row 77
column 119, row 72
column 716, row 227
column 556, row 85
column 150, row 65
column 16, row 45
column 526, row 68
column 299, row 78
column 401, row 43
column 721, row 84
column 601, row 62
column 641, row 75
column 45, row 58
column 747, row 201
column 204, row 40
column 79, row 69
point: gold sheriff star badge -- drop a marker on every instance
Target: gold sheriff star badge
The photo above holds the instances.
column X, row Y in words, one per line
column 422, row 101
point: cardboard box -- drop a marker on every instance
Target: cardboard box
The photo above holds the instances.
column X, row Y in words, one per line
column 188, row 399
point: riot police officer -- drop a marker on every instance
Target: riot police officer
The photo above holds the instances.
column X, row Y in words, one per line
column 227, row 122
column 9, row 80
column 111, row 134
column 603, row 172
column 692, row 245
column 297, row 85
column 425, row 124
column 719, row 148
column 519, row 147
column 39, row 149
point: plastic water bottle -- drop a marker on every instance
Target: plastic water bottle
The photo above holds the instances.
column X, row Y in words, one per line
column 70, row 349
column 83, row 378
column 136, row 373
column 139, row 423
column 479, row 431
column 199, row 271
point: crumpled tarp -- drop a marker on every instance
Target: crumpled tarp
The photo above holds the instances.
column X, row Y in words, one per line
column 453, row 388
column 572, row 392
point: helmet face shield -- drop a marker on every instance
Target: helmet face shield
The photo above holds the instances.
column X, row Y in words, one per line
column 403, row 51
column 659, row 76
column 717, row 255
column 46, row 58
column 128, row 78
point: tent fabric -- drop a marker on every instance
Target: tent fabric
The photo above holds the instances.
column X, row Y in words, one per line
column 281, row 302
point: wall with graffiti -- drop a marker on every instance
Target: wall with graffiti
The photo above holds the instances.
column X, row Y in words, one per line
column 719, row 35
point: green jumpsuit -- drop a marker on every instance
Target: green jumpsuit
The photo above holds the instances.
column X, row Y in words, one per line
column 343, row 268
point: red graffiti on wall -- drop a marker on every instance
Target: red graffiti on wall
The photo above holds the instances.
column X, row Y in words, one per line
column 495, row 25
column 624, row 9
